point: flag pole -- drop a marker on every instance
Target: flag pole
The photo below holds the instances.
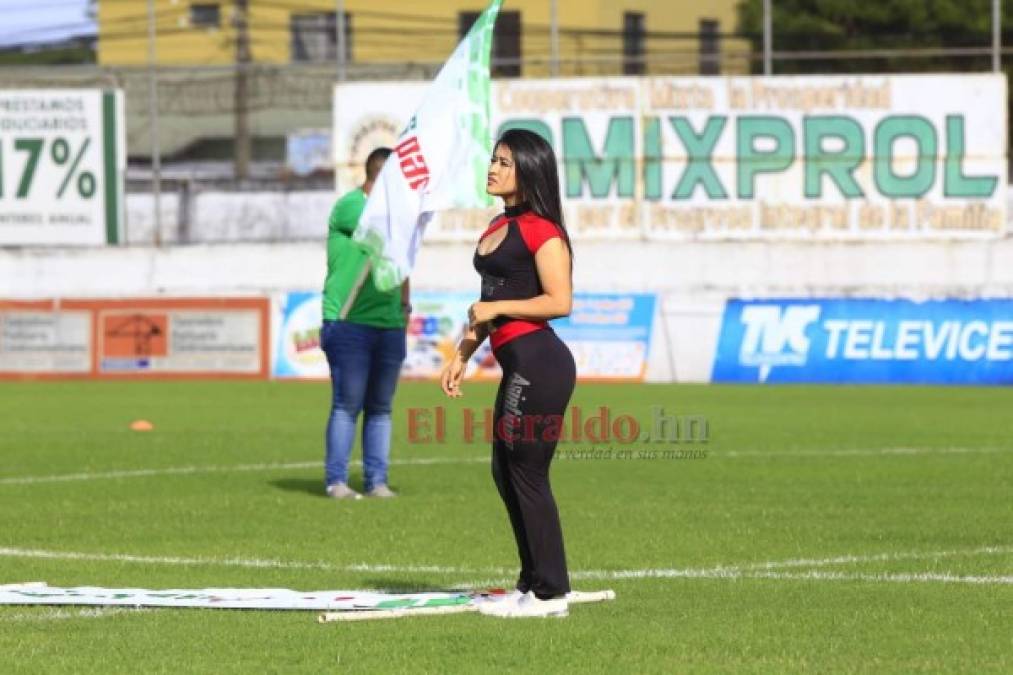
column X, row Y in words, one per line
column 354, row 293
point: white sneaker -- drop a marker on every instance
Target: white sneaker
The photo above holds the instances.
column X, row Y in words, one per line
column 501, row 599
column 381, row 491
column 500, row 602
column 526, row 606
column 512, row 599
column 342, row 491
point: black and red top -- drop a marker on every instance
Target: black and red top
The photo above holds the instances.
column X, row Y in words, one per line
column 509, row 271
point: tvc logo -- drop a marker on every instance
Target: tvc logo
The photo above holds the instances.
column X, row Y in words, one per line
column 775, row 336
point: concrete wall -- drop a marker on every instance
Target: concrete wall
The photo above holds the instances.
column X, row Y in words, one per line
column 212, row 216
column 693, row 279
column 209, row 216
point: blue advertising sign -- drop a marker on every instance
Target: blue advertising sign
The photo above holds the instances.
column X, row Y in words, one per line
column 866, row 341
column 438, row 323
column 609, row 333
column 297, row 337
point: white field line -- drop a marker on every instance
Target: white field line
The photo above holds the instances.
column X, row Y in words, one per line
column 875, row 557
column 858, row 452
column 745, row 570
column 904, row 577
column 760, row 568
column 256, row 563
column 811, row 575
column 425, row 461
column 185, row 470
column 763, row 570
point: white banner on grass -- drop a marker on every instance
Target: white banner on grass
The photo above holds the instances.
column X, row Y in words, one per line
column 225, row 598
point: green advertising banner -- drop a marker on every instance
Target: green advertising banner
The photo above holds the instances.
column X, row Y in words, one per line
column 62, row 165
column 806, row 158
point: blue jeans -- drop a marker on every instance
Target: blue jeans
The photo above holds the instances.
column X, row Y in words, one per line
column 365, row 363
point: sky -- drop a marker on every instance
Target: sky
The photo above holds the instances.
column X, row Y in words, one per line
column 33, row 21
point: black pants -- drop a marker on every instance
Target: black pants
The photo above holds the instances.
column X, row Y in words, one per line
column 538, row 379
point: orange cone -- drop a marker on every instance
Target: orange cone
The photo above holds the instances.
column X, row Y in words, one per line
column 141, row 425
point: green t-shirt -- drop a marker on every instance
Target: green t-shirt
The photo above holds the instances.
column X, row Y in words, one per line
column 372, row 307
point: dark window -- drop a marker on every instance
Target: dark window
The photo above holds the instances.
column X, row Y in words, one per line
column 205, row 16
column 710, row 47
column 506, row 41
column 315, row 37
column 633, row 43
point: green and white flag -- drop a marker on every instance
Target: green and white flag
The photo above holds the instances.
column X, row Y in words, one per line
column 439, row 161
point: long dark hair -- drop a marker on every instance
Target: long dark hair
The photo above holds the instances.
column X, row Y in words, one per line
column 537, row 176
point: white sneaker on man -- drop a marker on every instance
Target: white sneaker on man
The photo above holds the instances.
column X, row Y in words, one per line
column 526, row 606
column 381, row 491
column 342, row 491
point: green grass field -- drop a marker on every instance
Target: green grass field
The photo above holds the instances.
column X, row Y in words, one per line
column 827, row 529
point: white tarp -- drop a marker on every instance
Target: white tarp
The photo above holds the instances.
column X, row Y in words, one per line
column 225, row 598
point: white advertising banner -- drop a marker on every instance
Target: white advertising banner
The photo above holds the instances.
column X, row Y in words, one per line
column 806, row 158
column 62, row 164
column 36, row 342
column 132, row 341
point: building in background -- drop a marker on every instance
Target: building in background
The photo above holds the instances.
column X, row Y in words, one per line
column 629, row 37
column 294, row 59
column 291, row 47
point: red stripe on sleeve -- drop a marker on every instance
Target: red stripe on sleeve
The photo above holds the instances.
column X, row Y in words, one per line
column 537, row 230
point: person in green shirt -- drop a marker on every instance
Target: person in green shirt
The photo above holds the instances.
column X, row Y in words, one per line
column 364, row 350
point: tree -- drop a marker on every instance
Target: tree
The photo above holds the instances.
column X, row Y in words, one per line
column 822, row 25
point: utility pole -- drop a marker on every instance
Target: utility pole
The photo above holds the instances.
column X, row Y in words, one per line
column 156, row 153
column 242, row 120
column 339, row 39
column 996, row 35
column 768, row 39
column 554, row 38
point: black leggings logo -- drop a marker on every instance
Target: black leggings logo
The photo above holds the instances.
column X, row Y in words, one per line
column 512, row 407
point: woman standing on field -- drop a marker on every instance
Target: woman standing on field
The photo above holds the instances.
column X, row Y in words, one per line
column 524, row 259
